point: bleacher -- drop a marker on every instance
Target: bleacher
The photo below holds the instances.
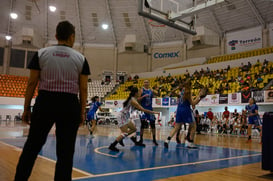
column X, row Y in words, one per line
column 240, row 55
column 213, row 83
column 13, row 86
column 95, row 88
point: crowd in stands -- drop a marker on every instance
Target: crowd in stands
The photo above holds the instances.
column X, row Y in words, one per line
column 225, row 123
column 234, row 123
column 247, row 77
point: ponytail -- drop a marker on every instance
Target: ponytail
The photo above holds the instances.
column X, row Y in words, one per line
column 93, row 99
column 134, row 91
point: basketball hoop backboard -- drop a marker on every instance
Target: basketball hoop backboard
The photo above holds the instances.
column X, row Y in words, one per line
column 175, row 13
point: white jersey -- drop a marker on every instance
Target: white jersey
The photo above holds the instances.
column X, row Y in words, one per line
column 124, row 116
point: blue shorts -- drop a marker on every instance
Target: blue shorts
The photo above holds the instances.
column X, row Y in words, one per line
column 149, row 117
column 91, row 116
column 184, row 117
column 254, row 120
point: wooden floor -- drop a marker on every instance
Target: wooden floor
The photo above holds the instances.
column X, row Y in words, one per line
column 44, row 168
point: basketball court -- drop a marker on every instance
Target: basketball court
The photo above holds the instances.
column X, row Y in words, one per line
column 94, row 161
column 217, row 157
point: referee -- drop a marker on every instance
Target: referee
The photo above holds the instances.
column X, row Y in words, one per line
column 62, row 73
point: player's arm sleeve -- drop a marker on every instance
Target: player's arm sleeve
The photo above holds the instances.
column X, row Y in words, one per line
column 34, row 63
column 85, row 69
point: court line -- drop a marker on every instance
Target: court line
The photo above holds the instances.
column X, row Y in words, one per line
column 168, row 166
column 89, row 175
column 98, row 152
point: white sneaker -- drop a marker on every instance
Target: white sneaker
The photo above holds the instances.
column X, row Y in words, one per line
column 90, row 136
column 186, row 143
column 191, row 145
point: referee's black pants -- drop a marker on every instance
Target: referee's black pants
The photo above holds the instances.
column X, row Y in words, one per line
column 64, row 110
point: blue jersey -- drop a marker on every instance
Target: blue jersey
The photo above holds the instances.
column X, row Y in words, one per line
column 252, row 109
column 183, row 104
column 184, row 113
column 147, row 102
column 94, row 107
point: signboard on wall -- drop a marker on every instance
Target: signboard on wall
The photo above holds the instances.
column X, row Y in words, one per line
column 173, row 101
column 270, row 28
column 244, row 40
column 258, row 96
column 246, row 95
column 205, row 101
column 167, row 53
column 214, row 99
column 165, row 101
column 164, row 55
column 157, row 102
column 114, row 103
column 268, row 96
column 223, row 98
column 234, row 98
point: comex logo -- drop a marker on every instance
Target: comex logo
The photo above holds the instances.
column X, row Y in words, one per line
column 166, row 55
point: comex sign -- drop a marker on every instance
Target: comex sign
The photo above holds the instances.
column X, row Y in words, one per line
column 158, row 55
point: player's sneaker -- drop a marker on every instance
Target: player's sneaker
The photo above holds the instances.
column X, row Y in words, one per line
column 121, row 142
column 166, row 144
column 191, row 145
column 113, row 148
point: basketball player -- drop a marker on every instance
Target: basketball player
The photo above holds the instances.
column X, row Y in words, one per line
column 184, row 113
column 125, row 124
column 253, row 117
column 145, row 98
column 91, row 115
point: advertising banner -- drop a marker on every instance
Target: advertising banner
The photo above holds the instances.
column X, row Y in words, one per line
column 205, row 101
column 114, row 103
column 214, row 99
column 268, row 96
column 244, row 40
column 234, row 98
column 173, row 101
column 258, row 96
column 246, row 95
column 157, row 102
column 223, row 98
column 165, row 101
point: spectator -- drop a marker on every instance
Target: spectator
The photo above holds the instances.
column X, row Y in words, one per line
column 225, row 118
column 257, row 64
column 210, row 114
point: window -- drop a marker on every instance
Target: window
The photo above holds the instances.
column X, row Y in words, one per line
column 30, row 55
column 1, row 56
column 17, row 58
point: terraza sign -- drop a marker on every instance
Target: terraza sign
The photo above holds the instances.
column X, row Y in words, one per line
column 158, row 55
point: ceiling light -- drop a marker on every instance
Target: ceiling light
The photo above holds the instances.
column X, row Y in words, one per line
column 8, row 37
column 105, row 26
column 13, row 15
column 52, row 8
